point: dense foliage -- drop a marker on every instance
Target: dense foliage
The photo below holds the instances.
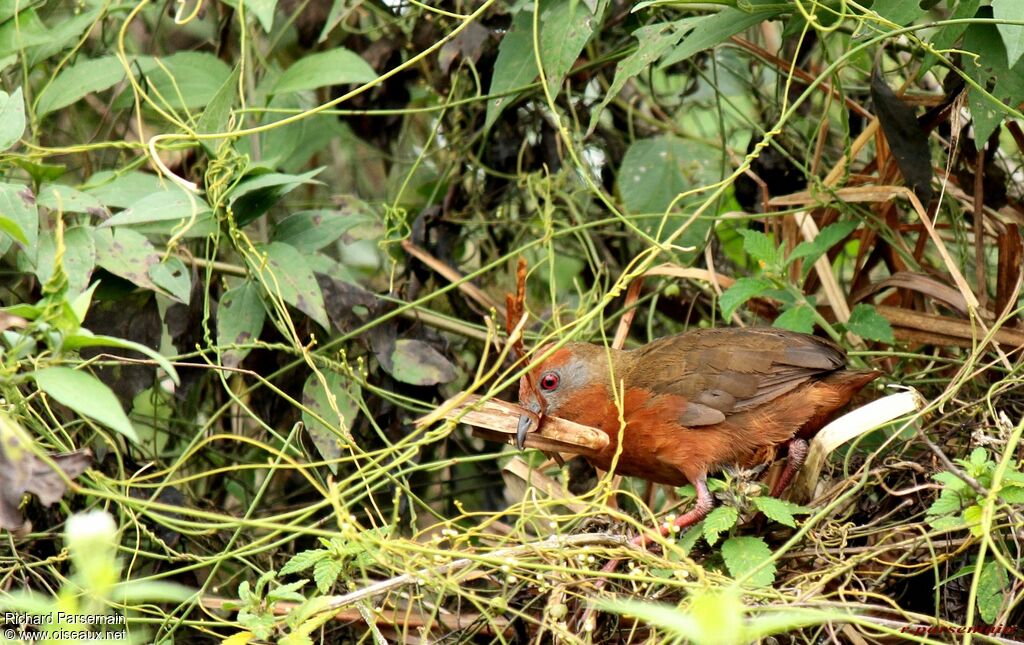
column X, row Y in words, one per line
column 246, row 243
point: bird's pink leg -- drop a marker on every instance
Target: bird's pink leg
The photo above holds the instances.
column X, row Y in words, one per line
column 794, row 461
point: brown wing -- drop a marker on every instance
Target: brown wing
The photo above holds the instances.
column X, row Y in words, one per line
column 724, row 371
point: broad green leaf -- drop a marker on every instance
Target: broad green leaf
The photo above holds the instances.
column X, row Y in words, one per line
column 992, row 587
column 990, row 70
column 86, row 395
column 217, row 115
column 761, row 247
column 712, row 617
column 325, row 427
column 85, row 338
column 655, row 171
column 741, row 291
column 779, row 510
column 900, row 12
column 87, row 76
column 744, row 554
column 310, row 231
column 653, row 42
column 183, row 80
column 799, row 318
column 867, row 323
column 65, row 199
column 12, row 118
column 287, row 275
column 972, row 518
column 515, row 66
column 167, row 212
column 713, row 30
column 1012, row 493
column 174, row 277
column 127, row 254
column 79, row 258
column 263, row 10
column 565, row 28
column 22, row 32
column 1013, row 35
column 949, row 34
column 338, row 66
column 254, row 196
column 718, row 521
column 240, row 318
column 417, row 363
column 19, row 216
column 124, row 190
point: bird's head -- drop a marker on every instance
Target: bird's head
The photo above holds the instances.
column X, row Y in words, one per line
column 556, row 381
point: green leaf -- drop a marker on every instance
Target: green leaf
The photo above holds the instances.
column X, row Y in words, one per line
column 718, row 521
column 86, row 395
column 1013, row 35
column 1012, row 493
column 287, row 275
column 711, row 618
column 65, row 199
column 123, row 190
column 325, row 573
column 79, row 258
column 867, row 323
column 779, row 510
column 827, row 238
column 254, row 196
column 713, row 30
column 174, row 278
column 417, row 363
column 653, row 42
column 799, row 318
column 217, row 115
column 972, row 518
column 990, row 70
column 19, row 216
column 323, row 424
column 167, row 212
column 337, row 66
column 240, row 318
column 741, row 291
column 900, row 12
column 310, row 231
column 565, row 28
column 992, row 586
column 654, row 171
column 515, row 66
column 87, row 76
column 949, row 501
column 263, row 10
column 304, row 560
column 761, row 247
column 12, row 118
column 186, row 79
column 127, row 254
column 85, row 338
column 946, row 35
column 744, row 554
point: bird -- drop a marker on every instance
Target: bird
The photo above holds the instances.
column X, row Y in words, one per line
column 692, row 404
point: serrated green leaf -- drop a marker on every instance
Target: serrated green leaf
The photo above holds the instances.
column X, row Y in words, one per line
column 86, row 395
column 827, row 238
column 776, row 509
column 867, row 323
column 325, row 573
column 744, row 554
column 799, row 318
column 1012, row 494
column 761, row 247
column 972, row 518
column 948, row 502
column 741, row 291
column 304, row 560
column 718, row 521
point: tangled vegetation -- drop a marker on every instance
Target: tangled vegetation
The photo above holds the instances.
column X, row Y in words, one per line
column 248, row 243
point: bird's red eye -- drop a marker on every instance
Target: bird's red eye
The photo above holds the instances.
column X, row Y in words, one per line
column 549, row 381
